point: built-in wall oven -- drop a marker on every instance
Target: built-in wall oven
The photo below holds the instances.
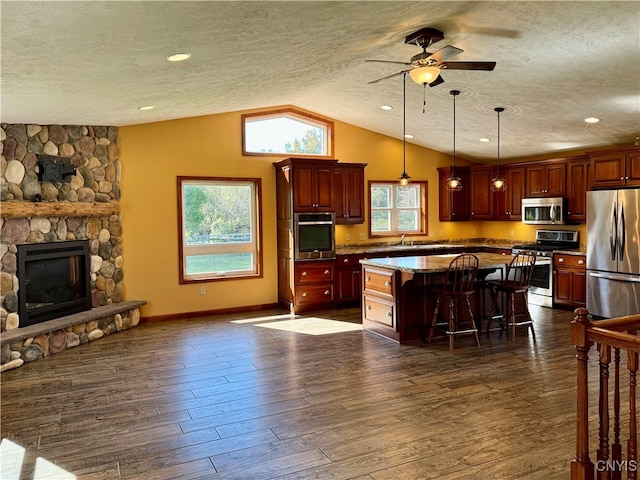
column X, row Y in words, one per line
column 541, row 291
column 314, row 235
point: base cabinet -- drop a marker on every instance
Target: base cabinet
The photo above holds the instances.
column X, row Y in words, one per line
column 313, row 285
column 379, row 301
column 570, row 280
column 348, row 279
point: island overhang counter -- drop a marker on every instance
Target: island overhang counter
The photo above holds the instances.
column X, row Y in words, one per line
column 396, row 299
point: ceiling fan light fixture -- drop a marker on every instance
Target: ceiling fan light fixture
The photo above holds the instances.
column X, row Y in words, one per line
column 422, row 75
column 178, row 57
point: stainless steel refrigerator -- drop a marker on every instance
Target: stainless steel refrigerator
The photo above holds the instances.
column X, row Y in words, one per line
column 613, row 252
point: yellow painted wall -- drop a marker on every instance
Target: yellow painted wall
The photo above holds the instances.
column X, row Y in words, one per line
column 153, row 155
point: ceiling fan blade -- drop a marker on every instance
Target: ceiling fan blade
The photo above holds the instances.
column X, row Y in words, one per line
column 389, row 76
column 388, row 61
column 445, row 53
column 488, row 66
column 437, row 81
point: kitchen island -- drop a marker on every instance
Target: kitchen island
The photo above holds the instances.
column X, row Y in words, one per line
column 397, row 302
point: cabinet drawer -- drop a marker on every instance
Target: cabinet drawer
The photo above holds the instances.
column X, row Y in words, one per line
column 575, row 261
column 313, row 272
column 378, row 310
column 348, row 260
column 380, row 282
column 314, row 293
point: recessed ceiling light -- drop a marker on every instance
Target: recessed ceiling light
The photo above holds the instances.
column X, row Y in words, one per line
column 386, row 107
column 178, row 57
column 147, row 107
column 484, row 140
column 408, row 135
column 592, row 120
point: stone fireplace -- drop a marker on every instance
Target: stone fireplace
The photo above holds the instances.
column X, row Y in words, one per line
column 81, row 207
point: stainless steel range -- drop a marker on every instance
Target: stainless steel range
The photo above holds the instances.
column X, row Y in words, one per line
column 541, row 291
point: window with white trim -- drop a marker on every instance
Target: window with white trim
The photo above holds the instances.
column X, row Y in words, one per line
column 286, row 131
column 220, row 228
column 396, row 209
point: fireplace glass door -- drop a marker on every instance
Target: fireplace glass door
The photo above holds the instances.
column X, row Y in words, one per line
column 53, row 280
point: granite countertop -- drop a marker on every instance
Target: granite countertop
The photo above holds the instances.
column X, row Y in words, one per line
column 440, row 263
column 381, row 248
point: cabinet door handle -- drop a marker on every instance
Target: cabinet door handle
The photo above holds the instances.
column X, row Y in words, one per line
column 346, row 260
column 387, row 284
column 389, row 314
column 367, row 279
column 304, row 294
column 580, row 262
column 621, row 178
column 327, row 292
column 326, row 272
column 561, row 260
column 368, row 307
column 304, row 273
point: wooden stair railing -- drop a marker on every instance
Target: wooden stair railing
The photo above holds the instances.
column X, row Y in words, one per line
column 610, row 336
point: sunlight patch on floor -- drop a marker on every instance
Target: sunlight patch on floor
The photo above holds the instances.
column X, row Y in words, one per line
column 312, row 326
column 11, row 465
column 266, row 318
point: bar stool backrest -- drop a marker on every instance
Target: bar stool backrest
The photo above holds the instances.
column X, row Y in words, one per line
column 461, row 274
column 520, row 270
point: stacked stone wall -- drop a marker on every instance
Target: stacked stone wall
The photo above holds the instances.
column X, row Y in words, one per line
column 94, row 151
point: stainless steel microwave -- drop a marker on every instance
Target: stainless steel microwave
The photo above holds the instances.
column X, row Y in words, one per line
column 544, row 211
column 314, row 235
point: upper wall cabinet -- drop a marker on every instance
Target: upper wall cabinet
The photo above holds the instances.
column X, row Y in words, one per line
column 577, row 184
column 482, row 198
column 310, row 181
column 348, row 191
column 545, row 179
column 509, row 202
column 453, row 206
column 614, row 168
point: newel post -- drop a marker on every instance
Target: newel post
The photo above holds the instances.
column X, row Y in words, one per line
column 581, row 465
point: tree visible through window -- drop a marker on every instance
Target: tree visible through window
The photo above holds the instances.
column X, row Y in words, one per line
column 396, row 209
column 286, row 132
column 220, row 234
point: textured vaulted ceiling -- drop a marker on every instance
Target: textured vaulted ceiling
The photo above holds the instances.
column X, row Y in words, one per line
column 557, row 62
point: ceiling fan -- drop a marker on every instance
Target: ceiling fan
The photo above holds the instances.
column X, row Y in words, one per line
column 425, row 67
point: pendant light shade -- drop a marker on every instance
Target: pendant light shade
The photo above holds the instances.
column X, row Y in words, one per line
column 498, row 183
column 404, row 177
column 454, row 183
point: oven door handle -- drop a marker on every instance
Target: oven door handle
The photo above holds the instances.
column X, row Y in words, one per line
column 315, row 223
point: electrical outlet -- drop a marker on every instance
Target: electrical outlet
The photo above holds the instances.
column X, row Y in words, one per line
column 347, row 237
column 432, row 233
column 362, row 236
column 511, row 233
column 203, row 290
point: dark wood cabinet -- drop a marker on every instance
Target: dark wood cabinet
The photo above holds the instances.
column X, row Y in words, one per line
column 577, row 185
column 314, row 284
column 348, row 190
column 509, row 202
column 348, row 280
column 453, row 206
column 482, row 197
column 619, row 167
column 569, row 280
column 312, row 184
column 545, row 179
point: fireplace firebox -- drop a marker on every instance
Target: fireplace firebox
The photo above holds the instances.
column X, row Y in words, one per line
column 53, row 280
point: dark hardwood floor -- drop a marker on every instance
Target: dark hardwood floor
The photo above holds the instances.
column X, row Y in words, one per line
column 230, row 398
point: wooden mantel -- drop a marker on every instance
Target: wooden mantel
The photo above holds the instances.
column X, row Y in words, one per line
column 57, row 209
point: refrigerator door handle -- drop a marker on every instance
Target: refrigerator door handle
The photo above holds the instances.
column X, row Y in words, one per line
column 623, row 235
column 613, row 233
column 616, row 276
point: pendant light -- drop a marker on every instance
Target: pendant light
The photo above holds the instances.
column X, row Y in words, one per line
column 404, row 178
column 497, row 183
column 454, row 183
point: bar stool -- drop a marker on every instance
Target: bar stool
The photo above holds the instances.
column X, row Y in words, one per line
column 459, row 284
column 517, row 281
